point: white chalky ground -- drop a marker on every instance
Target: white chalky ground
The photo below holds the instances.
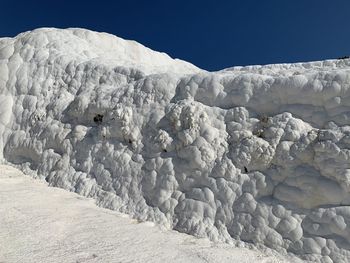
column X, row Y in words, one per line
column 45, row 224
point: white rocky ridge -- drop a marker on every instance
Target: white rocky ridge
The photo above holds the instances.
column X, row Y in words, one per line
column 258, row 154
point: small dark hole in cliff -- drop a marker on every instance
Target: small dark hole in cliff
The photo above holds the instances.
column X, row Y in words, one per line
column 98, row 118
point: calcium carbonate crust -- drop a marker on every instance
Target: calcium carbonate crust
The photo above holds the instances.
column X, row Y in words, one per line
column 257, row 154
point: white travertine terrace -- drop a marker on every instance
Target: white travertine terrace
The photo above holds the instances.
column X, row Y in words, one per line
column 259, row 154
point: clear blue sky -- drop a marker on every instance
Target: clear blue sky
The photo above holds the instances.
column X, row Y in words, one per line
column 211, row 34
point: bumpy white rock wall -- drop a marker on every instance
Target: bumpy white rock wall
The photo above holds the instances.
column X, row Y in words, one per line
column 258, row 154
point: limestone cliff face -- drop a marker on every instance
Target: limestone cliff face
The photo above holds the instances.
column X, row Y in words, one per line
column 258, row 154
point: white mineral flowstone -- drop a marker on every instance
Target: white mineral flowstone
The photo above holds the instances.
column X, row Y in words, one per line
column 259, row 154
column 42, row 224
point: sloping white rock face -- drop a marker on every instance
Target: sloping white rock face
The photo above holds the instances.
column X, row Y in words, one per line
column 40, row 224
column 259, row 154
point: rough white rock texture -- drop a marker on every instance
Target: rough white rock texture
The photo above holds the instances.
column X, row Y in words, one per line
column 40, row 224
column 258, row 154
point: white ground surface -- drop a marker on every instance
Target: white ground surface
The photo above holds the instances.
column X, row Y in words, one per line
column 44, row 224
